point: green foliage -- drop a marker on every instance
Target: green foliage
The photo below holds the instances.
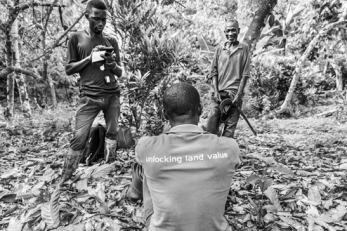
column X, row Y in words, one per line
column 153, row 57
column 269, row 86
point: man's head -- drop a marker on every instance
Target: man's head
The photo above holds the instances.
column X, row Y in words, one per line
column 96, row 15
column 182, row 104
column 232, row 30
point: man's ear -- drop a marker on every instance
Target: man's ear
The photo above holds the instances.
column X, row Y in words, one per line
column 87, row 16
column 165, row 115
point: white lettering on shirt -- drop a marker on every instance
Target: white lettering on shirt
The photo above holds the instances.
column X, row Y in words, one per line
column 187, row 158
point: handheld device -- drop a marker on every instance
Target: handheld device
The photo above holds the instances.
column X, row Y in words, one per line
column 107, row 49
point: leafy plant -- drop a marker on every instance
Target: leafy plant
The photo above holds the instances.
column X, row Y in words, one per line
column 152, row 54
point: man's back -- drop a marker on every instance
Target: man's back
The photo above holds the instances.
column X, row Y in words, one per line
column 188, row 174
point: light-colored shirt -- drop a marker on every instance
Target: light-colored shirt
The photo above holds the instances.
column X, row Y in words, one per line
column 229, row 65
column 188, row 174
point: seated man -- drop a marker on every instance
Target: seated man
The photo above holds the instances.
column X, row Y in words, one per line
column 186, row 172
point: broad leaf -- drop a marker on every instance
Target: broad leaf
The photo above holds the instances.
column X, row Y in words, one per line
column 283, row 169
column 293, row 223
column 14, row 225
column 268, row 160
column 253, row 179
column 102, row 170
column 50, row 210
column 314, row 195
column 79, row 227
column 334, row 215
column 272, row 195
column 327, row 204
column 82, row 185
column 264, row 184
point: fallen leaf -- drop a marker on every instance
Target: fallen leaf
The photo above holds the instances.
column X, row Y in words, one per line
column 264, row 184
column 327, row 204
column 268, row 160
column 283, row 169
column 11, row 173
column 272, row 195
column 50, row 211
column 252, row 179
column 314, row 195
column 82, row 185
column 14, row 225
column 293, row 223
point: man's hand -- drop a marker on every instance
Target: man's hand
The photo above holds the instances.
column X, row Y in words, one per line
column 110, row 62
column 237, row 100
column 94, row 49
column 217, row 97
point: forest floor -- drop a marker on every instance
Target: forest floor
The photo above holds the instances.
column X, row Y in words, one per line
column 293, row 177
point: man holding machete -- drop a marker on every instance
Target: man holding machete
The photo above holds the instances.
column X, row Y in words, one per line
column 229, row 72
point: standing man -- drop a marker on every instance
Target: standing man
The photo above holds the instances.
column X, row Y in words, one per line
column 229, row 73
column 100, row 91
column 184, row 175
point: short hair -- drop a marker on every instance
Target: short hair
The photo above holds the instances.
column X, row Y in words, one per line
column 181, row 100
column 232, row 21
column 98, row 4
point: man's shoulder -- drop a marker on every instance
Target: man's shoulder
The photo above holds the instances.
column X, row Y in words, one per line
column 145, row 142
column 244, row 45
column 77, row 33
column 227, row 141
column 110, row 37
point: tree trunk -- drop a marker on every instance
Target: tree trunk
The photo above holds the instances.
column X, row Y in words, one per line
column 45, row 73
column 46, row 56
column 19, row 77
column 258, row 23
column 8, row 112
column 338, row 73
column 300, row 63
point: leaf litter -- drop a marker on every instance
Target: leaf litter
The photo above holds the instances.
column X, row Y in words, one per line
column 279, row 186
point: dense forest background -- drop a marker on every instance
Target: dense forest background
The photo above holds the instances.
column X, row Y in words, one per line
column 293, row 174
column 299, row 47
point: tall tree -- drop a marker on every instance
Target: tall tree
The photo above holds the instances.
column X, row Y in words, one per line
column 13, row 70
column 10, row 29
column 300, row 63
column 338, row 21
column 258, row 22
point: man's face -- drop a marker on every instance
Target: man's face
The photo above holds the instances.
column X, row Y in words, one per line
column 231, row 32
column 97, row 20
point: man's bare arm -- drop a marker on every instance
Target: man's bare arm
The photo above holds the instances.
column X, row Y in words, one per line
column 117, row 71
column 217, row 96
column 240, row 91
column 76, row 67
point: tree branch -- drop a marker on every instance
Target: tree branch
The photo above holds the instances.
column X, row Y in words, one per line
column 9, row 70
column 49, row 14
column 61, row 18
column 25, row 6
column 65, row 33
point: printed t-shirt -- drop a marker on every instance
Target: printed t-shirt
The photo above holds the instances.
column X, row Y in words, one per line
column 93, row 81
column 230, row 66
column 188, row 175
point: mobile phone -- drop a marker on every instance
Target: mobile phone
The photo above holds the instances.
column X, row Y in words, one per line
column 107, row 49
